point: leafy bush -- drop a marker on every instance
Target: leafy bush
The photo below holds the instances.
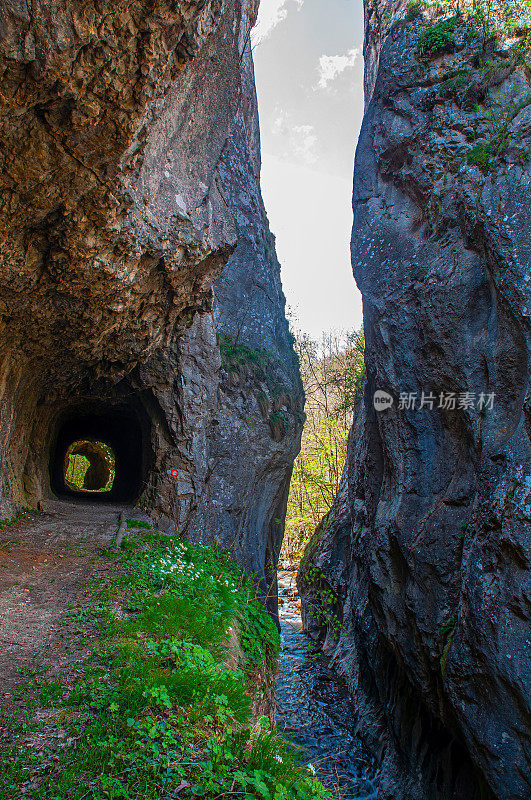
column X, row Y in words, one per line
column 259, row 635
column 324, row 600
column 496, row 117
column 437, row 36
column 485, row 18
column 333, row 375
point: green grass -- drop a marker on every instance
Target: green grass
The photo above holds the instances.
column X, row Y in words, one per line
column 165, row 700
column 138, row 523
column 258, row 364
column 235, row 354
column 21, row 515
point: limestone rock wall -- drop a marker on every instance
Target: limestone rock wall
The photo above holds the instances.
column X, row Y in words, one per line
column 240, row 420
column 427, row 548
column 130, row 174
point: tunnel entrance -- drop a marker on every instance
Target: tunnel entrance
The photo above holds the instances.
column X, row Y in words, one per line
column 90, row 466
column 101, row 454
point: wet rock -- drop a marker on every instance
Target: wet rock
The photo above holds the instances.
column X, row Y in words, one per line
column 316, row 712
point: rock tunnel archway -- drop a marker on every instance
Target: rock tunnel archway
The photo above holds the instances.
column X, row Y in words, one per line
column 89, row 466
column 86, row 428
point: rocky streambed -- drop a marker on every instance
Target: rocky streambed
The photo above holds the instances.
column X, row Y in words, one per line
column 314, row 708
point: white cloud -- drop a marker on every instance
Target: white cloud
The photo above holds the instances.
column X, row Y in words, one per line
column 280, row 126
column 271, row 14
column 303, row 142
column 330, row 67
column 296, row 141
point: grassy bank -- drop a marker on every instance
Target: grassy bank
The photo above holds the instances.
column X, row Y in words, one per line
column 165, row 706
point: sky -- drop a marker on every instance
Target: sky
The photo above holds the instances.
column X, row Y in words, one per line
column 309, row 76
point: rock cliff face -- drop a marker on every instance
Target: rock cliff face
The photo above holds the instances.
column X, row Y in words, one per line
column 130, row 179
column 427, row 548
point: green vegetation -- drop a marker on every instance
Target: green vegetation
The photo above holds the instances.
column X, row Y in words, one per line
column 503, row 32
column 138, row 523
column 480, row 156
column 483, row 18
column 464, row 88
column 447, row 627
column 76, row 470
column 490, row 17
column 496, row 118
column 326, row 603
column 265, row 375
column 437, row 36
column 20, row 515
column 414, row 10
column 446, row 632
column 332, row 372
column 279, row 423
column 78, row 463
column 487, row 17
column 277, row 416
column 234, row 354
column 163, row 706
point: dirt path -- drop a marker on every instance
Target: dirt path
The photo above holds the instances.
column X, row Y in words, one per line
column 45, row 566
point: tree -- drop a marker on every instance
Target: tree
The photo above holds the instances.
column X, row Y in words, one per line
column 332, row 371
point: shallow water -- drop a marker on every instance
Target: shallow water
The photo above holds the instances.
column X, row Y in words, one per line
column 314, row 708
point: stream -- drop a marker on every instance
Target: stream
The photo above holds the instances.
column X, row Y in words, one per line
column 314, row 709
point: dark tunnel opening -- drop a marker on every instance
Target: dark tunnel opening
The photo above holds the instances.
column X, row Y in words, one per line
column 123, row 432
